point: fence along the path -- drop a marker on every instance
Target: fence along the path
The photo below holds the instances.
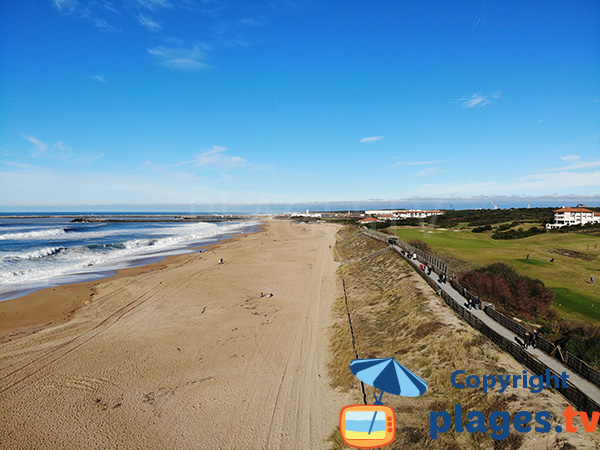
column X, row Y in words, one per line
column 573, row 394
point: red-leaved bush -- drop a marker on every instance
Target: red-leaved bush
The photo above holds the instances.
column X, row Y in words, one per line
column 518, row 294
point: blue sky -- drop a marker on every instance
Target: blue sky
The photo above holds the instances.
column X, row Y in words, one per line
column 192, row 102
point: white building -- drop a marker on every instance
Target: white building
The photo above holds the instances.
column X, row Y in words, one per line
column 306, row 214
column 573, row 216
column 390, row 214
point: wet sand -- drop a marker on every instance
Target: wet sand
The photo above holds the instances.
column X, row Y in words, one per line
column 183, row 353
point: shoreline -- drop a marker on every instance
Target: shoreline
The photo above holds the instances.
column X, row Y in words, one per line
column 52, row 305
column 184, row 353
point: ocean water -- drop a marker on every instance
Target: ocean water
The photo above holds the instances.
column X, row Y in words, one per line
column 41, row 252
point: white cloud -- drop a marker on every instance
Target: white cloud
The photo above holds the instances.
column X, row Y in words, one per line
column 371, row 139
column 109, row 7
column 59, row 150
column 89, row 158
column 39, row 145
column 428, row 172
column 216, row 156
column 578, row 165
column 148, row 23
column 43, row 186
column 550, row 181
column 181, row 58
column 534, row 183
column 251, row 22
column 570, row 157
column 18, row 165
column 153, row 5
column 104, row 26
column 99, row 78
column 66, row 6
column 478, row 100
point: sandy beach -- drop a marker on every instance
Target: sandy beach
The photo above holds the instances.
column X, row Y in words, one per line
column 180, row 354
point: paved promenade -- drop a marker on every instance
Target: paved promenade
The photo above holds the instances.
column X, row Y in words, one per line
column 584, row 385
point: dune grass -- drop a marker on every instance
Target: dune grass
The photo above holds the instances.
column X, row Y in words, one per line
column 394, row 313
column 576, row 259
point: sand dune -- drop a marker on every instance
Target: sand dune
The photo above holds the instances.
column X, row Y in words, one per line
column 180, row 354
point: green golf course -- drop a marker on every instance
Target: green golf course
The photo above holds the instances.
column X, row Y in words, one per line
column 576, row 258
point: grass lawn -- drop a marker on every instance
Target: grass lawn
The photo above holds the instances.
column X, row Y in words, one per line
column 576, row 259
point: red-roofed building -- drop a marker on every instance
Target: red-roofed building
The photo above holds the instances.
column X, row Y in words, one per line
column 368, row 220
column 573, row 216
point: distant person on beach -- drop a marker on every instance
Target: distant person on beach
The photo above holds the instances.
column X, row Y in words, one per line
column 221, row 261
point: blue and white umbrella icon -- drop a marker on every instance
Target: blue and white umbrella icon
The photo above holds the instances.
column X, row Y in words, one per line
column 388, row 375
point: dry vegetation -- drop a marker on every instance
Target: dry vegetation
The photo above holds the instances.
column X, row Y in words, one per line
column 394, row 313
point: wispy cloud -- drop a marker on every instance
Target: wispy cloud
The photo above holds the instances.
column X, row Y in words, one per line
column 18, row 165
column 66, row 6
column 61, row 150
column 104, row 26
column 58, row 150
column 570, row 157
column 370, row 139
column 416, row 163
column 252, row 22
column 579, row 175
column 579, row 165
column 476, row 24
column 216, row 156
column 40, row 146
column 99, row 78
column 148, row 23
column 109, row 6
column 181, row 58
column 87, row 11
column 89, row 158
column 153, row 5
column 477, row 100
column 429, row 171
column 219, row 24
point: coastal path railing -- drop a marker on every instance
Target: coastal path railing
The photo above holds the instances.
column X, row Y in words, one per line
column 584, row 394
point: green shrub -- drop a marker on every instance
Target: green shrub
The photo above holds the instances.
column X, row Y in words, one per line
column 482, row 229
column 509, row 291
column 517, row 234
column 420, row 245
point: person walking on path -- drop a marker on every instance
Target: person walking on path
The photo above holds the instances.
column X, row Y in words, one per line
column 527, row 339
column 534, row 336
